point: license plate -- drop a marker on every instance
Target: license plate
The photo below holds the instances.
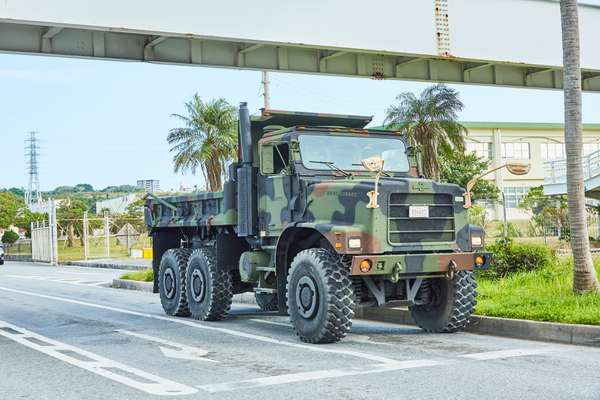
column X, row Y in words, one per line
column 418, row 211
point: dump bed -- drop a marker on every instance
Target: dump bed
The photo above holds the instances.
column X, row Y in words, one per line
column 197, row 209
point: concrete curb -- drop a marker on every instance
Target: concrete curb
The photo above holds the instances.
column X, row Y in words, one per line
column 133, row 285
column 105, row 265
column 588, row 335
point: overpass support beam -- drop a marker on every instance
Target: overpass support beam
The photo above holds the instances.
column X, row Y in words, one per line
column 452, row 41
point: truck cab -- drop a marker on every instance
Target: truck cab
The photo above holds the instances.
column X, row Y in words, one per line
column 320, row 214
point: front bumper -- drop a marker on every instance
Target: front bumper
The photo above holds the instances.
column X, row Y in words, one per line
column 416, row 264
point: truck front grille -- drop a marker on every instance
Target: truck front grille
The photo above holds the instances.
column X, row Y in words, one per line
column 439, row 227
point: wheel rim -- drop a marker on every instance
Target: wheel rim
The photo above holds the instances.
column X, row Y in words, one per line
column 198, row 285
column 307, row 297
column 169, row 283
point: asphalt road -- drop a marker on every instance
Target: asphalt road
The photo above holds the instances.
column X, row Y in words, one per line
column 65, row 336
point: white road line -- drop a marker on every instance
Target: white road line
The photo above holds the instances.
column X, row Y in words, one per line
column 351, row 337
column 71, row 281
column 264, row 321
column 492, row 355
column 175, row 350
column 317, row 375
column 320, row 349
column 94, row 363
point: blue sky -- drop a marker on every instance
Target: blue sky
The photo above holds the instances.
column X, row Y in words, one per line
column 105, row 123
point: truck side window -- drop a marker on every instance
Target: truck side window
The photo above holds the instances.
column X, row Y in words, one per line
column 275, row 159
column 281, row 158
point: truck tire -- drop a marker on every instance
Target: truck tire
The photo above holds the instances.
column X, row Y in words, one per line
column 320, row 298
column 266, row 301
column 452, row 304
column 171, row 282
column 209, row 288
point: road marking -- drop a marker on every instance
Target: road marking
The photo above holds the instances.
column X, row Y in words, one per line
column 71, row 281
column 174, row 349
column 320, row 349
column 493, row 355
column 351, row 337
column 317, row 375
column 94, row 363
column 264, row 321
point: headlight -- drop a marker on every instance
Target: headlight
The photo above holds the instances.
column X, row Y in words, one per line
column 354, row 243
column 476, row 241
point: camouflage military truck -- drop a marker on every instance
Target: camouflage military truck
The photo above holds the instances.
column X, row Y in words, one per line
column 319, row 215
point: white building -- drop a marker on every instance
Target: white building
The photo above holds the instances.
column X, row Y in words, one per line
column 117, row 205
column 533, row 143
column 149, row 185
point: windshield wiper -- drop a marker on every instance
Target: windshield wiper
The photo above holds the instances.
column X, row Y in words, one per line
column 332, row 165
column 382, row 172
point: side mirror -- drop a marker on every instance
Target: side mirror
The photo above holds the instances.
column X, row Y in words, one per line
column 515, row 168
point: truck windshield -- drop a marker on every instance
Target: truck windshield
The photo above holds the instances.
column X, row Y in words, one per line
column 346, row 152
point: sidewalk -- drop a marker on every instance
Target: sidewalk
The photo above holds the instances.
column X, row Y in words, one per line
column 133, row 264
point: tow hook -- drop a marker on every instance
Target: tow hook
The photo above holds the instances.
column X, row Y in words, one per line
column 451, row 270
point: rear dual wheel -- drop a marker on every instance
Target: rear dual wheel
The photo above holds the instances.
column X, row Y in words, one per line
column 171, row 282
column 190, row 283
column 209, row 289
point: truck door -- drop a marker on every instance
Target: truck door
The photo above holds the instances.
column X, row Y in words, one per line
column 274, row 189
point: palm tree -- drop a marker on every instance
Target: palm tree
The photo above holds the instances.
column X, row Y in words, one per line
column 584, row 274
column 430, row 122
column 207, row 141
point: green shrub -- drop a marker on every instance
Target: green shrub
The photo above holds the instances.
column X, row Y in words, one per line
column 144, row 276
column 9, row 237
column 512, row 230
column 511, row 257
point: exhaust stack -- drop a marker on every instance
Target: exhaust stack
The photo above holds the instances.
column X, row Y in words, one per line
column 247, row 218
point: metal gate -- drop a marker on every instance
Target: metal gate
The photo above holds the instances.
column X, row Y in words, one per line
column 44, row 238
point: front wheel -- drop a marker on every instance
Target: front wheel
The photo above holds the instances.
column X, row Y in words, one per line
column 451, row 304
column 320, row 298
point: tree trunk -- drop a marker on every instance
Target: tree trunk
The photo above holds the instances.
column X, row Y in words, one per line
column 71, row 236
column 584, row 274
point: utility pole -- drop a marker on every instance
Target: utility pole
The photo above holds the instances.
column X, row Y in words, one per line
column 266, row 89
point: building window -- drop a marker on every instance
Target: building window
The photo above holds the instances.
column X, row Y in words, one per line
column 515, row 150
column 553, row 151
column 481, row 150
column 589, row 148
column 514, row 195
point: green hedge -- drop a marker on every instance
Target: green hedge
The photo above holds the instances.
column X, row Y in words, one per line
column 511, row 257
column 143, row 276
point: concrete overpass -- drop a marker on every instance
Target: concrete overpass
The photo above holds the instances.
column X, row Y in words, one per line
column 555, row 176
column 513, row 43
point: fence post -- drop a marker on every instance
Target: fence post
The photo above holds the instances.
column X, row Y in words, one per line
column 106, row 235
column 53, row 232
column 86, row 250
column 32, row 241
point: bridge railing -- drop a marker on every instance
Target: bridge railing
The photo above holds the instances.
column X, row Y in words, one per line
column 555, row 172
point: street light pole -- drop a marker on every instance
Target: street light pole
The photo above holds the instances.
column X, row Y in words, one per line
column 504, row 221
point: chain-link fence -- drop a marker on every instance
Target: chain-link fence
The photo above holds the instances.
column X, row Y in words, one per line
column 18, row 251
column 504, row 217
column 107, row 236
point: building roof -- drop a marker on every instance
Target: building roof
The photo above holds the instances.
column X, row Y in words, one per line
column 539, row 126
column 545, row 126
